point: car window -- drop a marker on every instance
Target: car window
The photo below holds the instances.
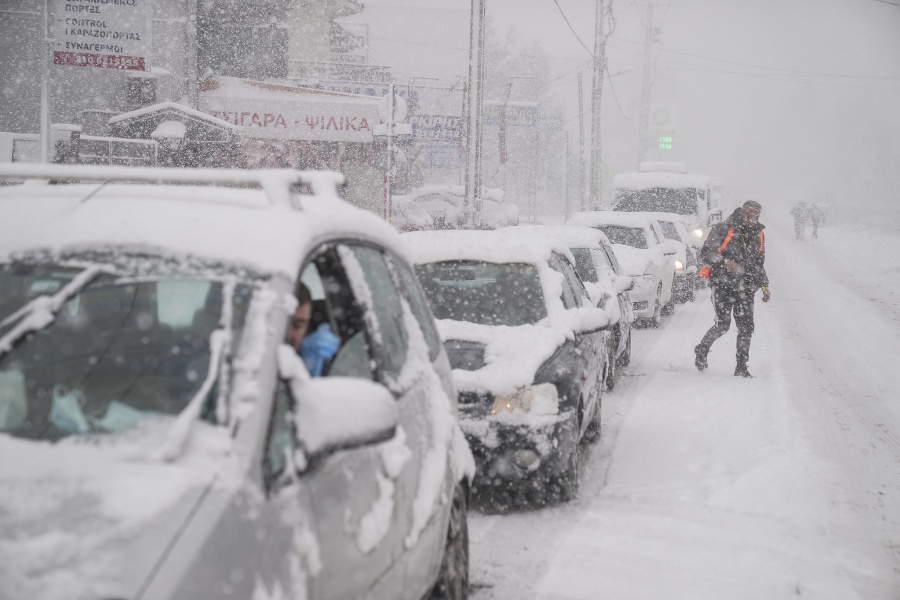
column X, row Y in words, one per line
column 334, row 304
column 628, row 236
column 418, row 304
column 669, row 231
column 584, row 264
column 379, row 293
column 570, row 297
column 281, row 442
column 611, row 256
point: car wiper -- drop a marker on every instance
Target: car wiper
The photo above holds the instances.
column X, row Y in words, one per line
column 41, row 311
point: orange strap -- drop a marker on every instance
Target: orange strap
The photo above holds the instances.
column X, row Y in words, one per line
column 727, row 239
column 762, row 241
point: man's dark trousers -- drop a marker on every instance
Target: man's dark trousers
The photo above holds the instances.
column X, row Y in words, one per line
column 725, row 301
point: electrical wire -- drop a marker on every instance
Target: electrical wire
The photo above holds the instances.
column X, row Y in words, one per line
column 572, row 29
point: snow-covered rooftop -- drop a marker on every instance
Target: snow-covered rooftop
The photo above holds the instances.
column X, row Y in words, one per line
column 609, row 217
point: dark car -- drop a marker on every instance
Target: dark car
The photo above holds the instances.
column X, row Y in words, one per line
column 528, row 352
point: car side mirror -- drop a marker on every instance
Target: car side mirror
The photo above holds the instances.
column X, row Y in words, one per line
column 668, row 248
column 335, row 413
column 588, row 319
column 624, row 283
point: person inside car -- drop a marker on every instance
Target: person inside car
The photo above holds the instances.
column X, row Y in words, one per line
column 318, row 348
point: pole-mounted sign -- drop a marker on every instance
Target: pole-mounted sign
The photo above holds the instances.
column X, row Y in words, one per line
column 111, row 34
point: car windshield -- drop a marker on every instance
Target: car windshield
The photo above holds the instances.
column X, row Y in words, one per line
column 483, row 292
column 682, row 201
column 116, row 352
column 584, row 264
column 628, row 236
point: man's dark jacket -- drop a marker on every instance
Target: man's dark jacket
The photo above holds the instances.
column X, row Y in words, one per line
column 746, row 247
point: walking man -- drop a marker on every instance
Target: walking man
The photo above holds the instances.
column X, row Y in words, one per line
column 816, row 216
column 800, row 213
column 736, row 254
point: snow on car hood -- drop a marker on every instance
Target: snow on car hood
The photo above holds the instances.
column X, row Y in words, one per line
column 89, row 518
column 512, row 354
column 634, row 261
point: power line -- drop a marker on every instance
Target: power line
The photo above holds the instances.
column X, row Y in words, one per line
column 794, row 71
column 887, row 2
column 572, row 29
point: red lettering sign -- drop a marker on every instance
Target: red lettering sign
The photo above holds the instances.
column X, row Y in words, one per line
column 109, row 61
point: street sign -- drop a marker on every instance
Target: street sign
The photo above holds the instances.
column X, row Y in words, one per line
column 110, row 35
column 400, row 110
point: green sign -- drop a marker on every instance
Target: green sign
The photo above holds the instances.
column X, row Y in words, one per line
column 665, row 142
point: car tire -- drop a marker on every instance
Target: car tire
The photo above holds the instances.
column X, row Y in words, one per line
column 592, row 433
column 657, row 309
column 453, row 578
column 625, row 358
column 669, row 307
column 610, row 381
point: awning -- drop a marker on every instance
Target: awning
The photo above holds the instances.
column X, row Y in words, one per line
column 272, row 111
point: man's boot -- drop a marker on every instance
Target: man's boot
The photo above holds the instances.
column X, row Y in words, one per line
column 741, row 371
column 700, row 353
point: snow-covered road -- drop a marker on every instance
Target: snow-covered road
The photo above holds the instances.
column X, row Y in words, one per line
column 706, row 486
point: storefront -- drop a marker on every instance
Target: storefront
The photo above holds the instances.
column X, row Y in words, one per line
column 283, row 126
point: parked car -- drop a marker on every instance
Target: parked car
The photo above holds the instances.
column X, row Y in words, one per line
column 596, row 264
column 445, row 204
column 159, row 439
column 528, row 352
column 408, row 216
column 644, row 254
column 687, row 279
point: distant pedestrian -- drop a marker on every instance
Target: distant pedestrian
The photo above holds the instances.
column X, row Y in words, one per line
column 801, row 216
column 736, row 254
column 816, row 217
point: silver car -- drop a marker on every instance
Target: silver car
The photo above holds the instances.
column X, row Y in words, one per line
column 159, row 440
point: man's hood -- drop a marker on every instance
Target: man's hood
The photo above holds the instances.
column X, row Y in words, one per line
column 734, row 219
column 90, row 518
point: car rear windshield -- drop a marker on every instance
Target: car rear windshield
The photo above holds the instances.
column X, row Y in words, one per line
column 682, row 201
column 483, row 292
column 628, row 236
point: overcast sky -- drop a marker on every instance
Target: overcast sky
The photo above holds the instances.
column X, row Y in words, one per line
column 780, row 97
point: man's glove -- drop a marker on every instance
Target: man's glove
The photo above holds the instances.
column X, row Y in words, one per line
column 318, row 348
column 766, row 294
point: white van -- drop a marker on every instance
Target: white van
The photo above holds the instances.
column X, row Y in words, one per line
column 668, row 187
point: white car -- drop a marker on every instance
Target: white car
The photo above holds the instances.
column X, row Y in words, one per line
column 598, row 267
column 159, row 439
column 643, row 253
column 674, row 229
column 446, row 203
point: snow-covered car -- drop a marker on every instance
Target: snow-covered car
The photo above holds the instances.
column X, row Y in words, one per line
column 445, row 204
column 408, row 216
column 674, row 229
column 644, row 254
column 528, row 352
column 158, row 437
column 496, row 213
column 596, row 264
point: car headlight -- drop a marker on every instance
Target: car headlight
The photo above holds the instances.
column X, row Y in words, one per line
column 539, row 399
column 698, row 233
column 679, row 266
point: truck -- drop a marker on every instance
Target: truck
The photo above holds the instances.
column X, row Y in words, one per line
column 668, row 187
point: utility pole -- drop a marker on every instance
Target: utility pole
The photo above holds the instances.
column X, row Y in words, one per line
column 645, row 88
column 473, row 117
column 596, row 173
column 580, row 142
